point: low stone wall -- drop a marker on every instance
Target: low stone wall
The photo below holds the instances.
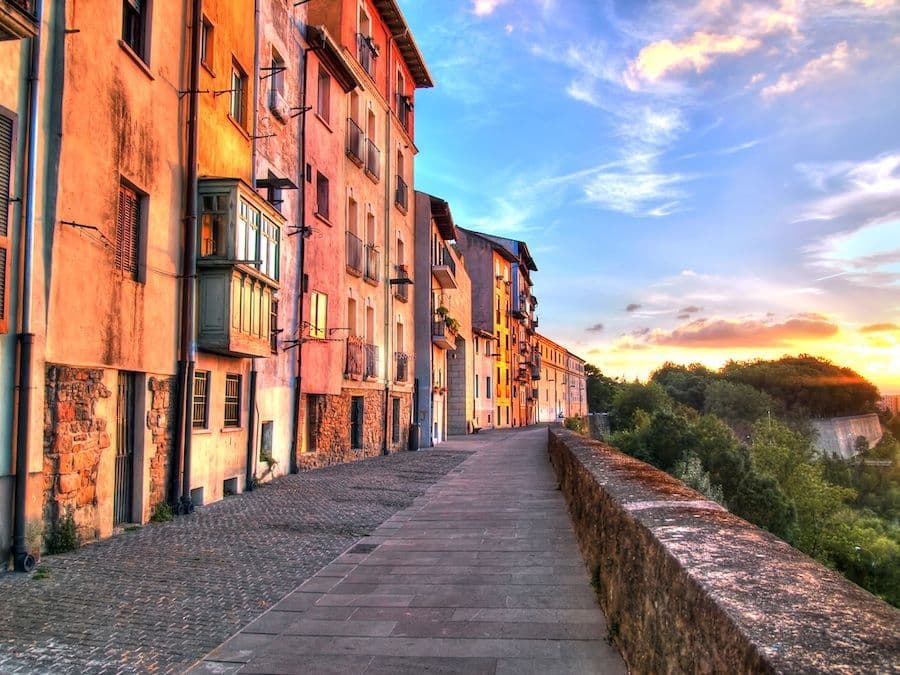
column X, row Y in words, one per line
column 689, row 587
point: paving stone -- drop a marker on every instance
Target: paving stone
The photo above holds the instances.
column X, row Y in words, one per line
column 160, row 598
column 396, row 665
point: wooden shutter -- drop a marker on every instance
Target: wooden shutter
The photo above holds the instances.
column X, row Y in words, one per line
column 128, row 220
column 7, row 144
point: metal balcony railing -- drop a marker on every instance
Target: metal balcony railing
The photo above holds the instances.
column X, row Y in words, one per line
column 354, row 253
column 373, row 159
column 402, row 366
column 401, row 195
column 373, row 263
column 404, row 110
column 356, row 142
column 401, row 291
column 371, row 368
column 366, row 52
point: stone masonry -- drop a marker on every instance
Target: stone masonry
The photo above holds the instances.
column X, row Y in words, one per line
column 332, row 433
column 161, row 423
column 74, row 439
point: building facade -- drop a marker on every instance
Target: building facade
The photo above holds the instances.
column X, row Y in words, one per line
column 562, row 388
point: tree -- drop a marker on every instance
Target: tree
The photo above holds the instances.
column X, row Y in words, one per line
column 685, row 384
column 760, row 500
column 690, row 471
column 667, row 439
column 600, row 389
column 634, row 396
column 735, row 402
column 807, row 385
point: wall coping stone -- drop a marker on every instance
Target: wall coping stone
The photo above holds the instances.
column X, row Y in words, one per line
column 689, row 587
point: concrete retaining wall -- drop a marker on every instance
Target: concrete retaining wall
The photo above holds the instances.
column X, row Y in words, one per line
column 689, row 587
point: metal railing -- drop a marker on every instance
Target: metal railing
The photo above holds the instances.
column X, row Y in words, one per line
column 401, row 195
column 402, row 366
column 404, row 110
column 401, row 291
column 366, row 53
column 373, row 263
column 439, row 328
column 373, row 159
column 356, row 358
column 354, row 253
column 371, row 369
column 356, row 141
column 447, row 259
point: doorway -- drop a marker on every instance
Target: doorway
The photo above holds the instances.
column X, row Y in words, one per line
column 124, row 479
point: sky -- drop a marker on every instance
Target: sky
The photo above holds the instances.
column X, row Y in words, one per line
column 698, row 181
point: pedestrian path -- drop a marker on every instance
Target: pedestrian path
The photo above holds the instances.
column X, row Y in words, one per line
column 482, row 574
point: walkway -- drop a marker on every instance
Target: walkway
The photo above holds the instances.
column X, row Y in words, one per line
column 158, row 598
column 481, row 574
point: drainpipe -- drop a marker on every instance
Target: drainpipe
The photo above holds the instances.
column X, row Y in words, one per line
column 251, row 416
column 24, row 561
column 188, row 345
column 301, row 264
column 389, row 304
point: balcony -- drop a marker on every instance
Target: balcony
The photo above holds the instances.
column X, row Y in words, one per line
column 370, row 372
column 444, row 271
column 401, row 367
column 518, row 307
column 17, row 20
column 356, row 143
column 442, row 335
column 404, row 110
column 401, row 290
column 373, row 264
column 366, row 53
column 356, row 359
column 401, row 195
column 373, row 160
column 354, row 254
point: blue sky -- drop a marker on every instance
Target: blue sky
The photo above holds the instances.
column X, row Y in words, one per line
column 697, row 181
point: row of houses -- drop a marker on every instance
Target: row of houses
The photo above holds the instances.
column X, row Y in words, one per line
column 215, row 268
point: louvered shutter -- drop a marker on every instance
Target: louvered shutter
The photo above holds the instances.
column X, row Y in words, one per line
column 7, row 143
column 127, row 228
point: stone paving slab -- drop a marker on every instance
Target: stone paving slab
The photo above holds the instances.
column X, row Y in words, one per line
column 160, row 598
column 481, row 574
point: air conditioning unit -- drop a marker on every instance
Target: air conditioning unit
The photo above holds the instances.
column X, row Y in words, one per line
column 278, row 105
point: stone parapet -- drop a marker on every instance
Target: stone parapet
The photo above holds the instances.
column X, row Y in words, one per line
column 689, row 587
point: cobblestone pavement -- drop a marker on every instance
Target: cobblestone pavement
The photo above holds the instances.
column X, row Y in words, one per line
column 158, row 598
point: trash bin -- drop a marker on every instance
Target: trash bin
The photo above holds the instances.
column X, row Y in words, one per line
column 413, row 437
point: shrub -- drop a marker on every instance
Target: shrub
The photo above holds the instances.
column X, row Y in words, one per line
column 574, row 424
column 162, row 513
column 63, row 536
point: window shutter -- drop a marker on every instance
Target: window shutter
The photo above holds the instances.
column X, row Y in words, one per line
column 127, row 224
column 7, row 143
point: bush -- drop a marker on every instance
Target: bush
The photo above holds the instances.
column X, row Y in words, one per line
column 574, row 424
column 63, row 536
column 162, row 513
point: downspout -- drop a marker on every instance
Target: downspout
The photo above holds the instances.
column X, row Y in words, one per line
column 251, row 414
column 389, row 301
column 301, row 264
column 24, row 561
column 188, row 345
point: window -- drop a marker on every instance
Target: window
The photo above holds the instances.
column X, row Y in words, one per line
column 269, row 245
column 321, row 195
column 7, row 143
column 128, row 227
column 487, row 387
column 238, row 94
column 318, row 315
column 273, row 326
column 213, row 219
column 207, row 43
column 476, row 385
column 200, row 415
column 232, row 400
column 323, row 96
column 134, row 26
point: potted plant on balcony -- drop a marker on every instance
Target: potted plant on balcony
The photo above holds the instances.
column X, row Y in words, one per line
column 442, row 312
column 452, row 324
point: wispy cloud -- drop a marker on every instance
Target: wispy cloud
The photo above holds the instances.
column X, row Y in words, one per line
column 866, row 188
column 728, row 333
column 880, row 328
column 867, row 256
column 486, row 7
column 596, row 328
column 816, row 71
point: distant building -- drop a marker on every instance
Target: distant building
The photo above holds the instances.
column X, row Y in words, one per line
column 838, row 435
column 562, row 387
column 891, row 403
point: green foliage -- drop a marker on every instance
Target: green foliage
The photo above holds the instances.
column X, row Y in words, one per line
column 629, row 398
column 600, row 389
column 685, row 384
column 760, row 500
column 735, row 402
column 162, row 513
column 690, row 471
column 667, row 439
column 807, row 385
column 574, row 424
column 63, row 535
